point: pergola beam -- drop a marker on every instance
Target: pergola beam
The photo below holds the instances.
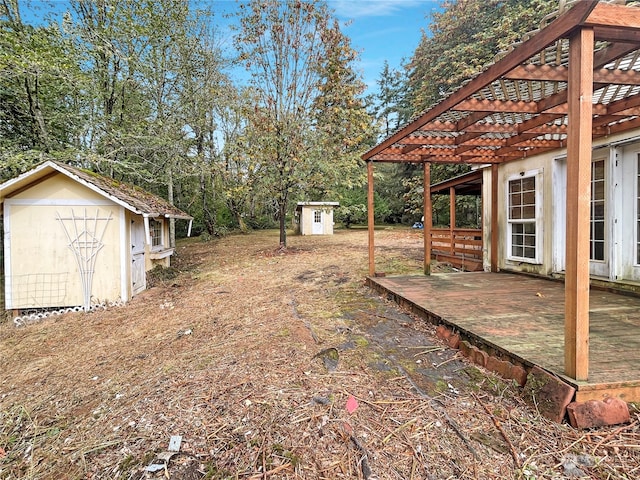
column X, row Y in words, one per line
column 559, row 28
column 548, row 73
column 476, row 105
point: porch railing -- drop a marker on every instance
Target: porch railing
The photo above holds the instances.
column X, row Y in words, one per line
column 461, row 247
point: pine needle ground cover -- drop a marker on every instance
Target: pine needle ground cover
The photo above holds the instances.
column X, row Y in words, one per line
column 274, row 364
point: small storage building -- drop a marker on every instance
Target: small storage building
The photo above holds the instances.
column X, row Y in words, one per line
column 73, row 238
column 315, row 218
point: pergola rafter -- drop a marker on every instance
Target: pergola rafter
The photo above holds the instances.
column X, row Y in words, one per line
column 529, row 84
column 574, row 80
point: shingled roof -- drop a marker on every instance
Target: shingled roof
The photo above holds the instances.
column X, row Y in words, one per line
column 129, row 196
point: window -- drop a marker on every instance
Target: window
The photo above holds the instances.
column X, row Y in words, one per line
column 597, row 207
column 317, row 216
column 156, row 233
column 523, row 220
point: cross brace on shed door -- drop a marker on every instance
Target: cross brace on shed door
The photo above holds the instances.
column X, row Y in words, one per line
column 85, row 235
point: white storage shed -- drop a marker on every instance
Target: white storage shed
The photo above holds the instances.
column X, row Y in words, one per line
column 315, row 218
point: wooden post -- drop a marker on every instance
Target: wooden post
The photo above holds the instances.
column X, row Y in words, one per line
column 579, row 137
column 452, row 218
column 428, row 217
column 370, row 217
column 494, row 236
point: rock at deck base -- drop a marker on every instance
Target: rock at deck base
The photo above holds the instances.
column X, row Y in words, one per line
column 550, row 394
column 598, row 413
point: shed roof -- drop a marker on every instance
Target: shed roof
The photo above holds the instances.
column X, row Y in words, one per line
column 318, row 204
column 517, row 107
column 129, row 196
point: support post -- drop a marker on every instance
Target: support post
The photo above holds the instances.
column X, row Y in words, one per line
column 370, row 217
column 494, row 236
column 428, row 217
column 452, row 218
column 579, row 139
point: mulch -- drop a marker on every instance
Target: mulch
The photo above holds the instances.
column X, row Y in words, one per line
column 274, row 364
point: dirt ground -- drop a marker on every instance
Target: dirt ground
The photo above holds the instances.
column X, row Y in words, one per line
column 275, row 365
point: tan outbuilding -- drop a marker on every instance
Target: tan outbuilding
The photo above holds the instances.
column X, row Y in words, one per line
column 73, row 238
column 314, row 218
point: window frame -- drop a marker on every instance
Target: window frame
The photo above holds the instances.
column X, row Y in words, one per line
column 605, row 206
column 636, row 237
column 536, row 221
column 152, row 233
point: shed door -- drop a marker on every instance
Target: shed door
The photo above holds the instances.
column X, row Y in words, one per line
column 316, row 229
column 138, row 277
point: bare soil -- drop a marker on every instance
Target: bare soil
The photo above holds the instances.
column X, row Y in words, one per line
column 275, row 364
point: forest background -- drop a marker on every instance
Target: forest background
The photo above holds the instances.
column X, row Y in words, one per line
column 141, row 90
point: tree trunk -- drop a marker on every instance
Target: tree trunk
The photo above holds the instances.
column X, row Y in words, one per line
column 282, row 213
column 172, row 221
column 36, row 113
column 207, row 219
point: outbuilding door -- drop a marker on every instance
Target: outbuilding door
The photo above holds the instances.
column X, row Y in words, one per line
column 316, row 228
column 138, row 277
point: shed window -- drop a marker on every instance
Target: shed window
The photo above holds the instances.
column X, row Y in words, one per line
column 317, row 216
column 523, row 220
column 156, row 233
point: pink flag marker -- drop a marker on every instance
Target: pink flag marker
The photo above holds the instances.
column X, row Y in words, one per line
column 352, row 404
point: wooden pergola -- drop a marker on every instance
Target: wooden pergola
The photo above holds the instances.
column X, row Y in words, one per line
column 570, row 82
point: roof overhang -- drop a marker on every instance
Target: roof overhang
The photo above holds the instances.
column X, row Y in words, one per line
column 48, row 168
column 518, row 107
column 466, row 184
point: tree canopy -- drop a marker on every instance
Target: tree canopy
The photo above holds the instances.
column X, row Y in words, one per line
column 463, row 38
column 309, row 119
column 142, row 90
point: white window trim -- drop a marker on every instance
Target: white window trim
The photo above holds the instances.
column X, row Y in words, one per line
column 636, row 191
column 156, row 248
column 607, row 202
column 538, row 220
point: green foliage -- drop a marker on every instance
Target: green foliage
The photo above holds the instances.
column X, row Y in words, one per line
column 41, row 84
column 390, row 105
column 465, row 37
column 136, row 90
column 467, row 207
column 308, row 124
column 353, row 208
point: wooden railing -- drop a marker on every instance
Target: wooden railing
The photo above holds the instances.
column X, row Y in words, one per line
column 461, row 247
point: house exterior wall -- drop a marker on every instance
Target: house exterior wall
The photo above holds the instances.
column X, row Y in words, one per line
column 41, row 269
column 307, row 216
column 619, row 158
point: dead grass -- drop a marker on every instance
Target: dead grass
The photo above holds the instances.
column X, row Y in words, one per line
column 224, row 353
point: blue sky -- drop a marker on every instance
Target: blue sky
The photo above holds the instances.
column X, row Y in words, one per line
column 384, row 30
column 379, row 29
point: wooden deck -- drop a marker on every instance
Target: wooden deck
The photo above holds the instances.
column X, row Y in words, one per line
column 522, row 318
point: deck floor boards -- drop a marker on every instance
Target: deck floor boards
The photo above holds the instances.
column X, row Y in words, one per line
column 524, row 316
